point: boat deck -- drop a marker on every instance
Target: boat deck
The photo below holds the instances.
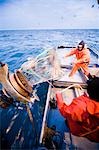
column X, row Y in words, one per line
column 19, row 131
column 53, row 117
column 66, row 140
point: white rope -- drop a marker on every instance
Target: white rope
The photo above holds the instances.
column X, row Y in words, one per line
column 73, row 85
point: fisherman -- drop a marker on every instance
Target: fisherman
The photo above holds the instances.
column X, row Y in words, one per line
column 82, row 58
column 82, row 114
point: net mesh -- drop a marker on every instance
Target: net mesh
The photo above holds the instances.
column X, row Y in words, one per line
column 44, row 67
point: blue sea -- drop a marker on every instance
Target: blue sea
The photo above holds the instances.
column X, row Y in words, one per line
column 17, row 45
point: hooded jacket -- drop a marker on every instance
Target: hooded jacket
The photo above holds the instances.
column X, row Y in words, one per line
column 82, row 116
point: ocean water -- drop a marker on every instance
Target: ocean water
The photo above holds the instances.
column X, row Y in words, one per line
column 17, row 45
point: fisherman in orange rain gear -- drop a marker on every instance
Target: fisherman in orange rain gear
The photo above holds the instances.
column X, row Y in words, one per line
column 83, row 59
column 82, row 114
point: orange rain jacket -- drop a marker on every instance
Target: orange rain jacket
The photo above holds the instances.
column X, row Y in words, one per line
column 83, row 59
column 82, row 56
column 82, row 116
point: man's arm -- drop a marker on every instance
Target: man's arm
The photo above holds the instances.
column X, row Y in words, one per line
column 74, row 110
column 72, row 52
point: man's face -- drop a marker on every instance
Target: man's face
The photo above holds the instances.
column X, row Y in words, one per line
column 80, row 47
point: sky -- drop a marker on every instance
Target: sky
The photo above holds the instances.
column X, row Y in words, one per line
column 49, row 14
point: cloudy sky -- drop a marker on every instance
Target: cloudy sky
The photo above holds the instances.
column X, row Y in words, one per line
column 49, row 14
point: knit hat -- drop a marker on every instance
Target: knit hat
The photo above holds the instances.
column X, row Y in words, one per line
column 82, row 43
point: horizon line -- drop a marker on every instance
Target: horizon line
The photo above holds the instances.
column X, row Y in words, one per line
column 51, row 29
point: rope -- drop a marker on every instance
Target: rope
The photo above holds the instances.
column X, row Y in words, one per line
column 73, row 85
column 90, row 132
column 31, row 117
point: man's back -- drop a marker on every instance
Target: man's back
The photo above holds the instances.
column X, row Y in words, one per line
column 82, row 116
